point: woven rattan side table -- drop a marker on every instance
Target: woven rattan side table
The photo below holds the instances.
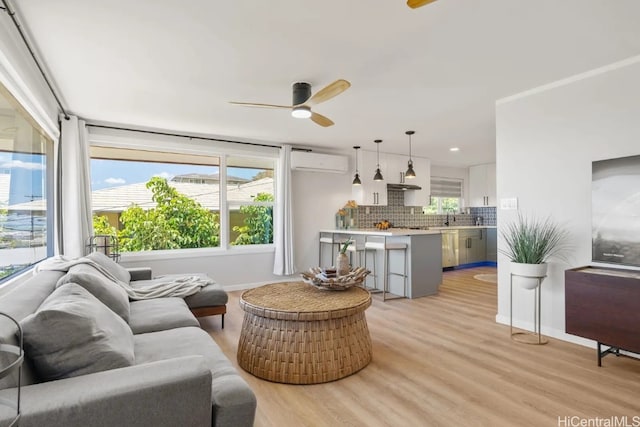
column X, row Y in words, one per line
column 295, row 333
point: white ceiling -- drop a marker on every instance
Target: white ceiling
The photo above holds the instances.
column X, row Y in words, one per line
column 438, row 70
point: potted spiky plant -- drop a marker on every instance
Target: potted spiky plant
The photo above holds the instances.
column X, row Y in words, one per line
column 342, row 260
column 529, row 243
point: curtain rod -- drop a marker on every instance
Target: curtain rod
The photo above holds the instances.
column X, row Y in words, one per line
column 12, row 14
column 204, row 138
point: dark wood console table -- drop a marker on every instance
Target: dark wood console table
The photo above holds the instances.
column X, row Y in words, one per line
column 603, row 304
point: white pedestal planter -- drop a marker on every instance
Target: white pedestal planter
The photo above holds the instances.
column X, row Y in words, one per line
column 529, row 276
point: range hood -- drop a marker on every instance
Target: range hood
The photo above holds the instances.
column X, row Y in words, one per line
column 403, row 187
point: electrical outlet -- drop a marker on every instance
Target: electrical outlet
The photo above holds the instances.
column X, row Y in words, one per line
column 367, row 210
column 424, row 210
column 413, row 211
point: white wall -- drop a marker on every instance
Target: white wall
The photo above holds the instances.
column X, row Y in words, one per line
column 546, row 140
column 232, row 269
column 316, row 199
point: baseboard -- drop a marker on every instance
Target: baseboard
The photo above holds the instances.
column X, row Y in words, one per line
column 476, row 264
column 549, row 332
column 558, row 334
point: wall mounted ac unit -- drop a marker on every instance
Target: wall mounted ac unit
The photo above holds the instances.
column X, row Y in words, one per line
column 317, row 162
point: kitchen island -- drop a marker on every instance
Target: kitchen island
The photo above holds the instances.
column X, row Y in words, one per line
column 424, row 257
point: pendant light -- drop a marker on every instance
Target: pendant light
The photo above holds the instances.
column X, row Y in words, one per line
column 410, row 173
column 378, row 175
column 356, row 178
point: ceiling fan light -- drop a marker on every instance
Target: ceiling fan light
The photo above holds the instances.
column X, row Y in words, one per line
column 410, row 173
column 301, row 112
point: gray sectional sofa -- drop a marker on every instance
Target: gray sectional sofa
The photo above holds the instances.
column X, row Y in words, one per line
column 94, row 358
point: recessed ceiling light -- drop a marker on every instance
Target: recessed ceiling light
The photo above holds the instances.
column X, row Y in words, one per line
column 454, row 149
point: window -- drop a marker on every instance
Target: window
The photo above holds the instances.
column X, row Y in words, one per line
column 24, row 180
column 157, row 200
column 250, row 198
column 446, row 195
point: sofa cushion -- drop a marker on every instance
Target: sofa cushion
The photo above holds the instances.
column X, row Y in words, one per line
column 159, row 314
column 73, row 333
column 111, row 266
column 108, row 292
column 233, row 401
column 20, row 302
column 210, row 295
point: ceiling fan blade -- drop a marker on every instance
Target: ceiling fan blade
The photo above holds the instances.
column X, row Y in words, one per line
column 414, row 4
column 321, row 120
column 253, row 104
column 328, row 92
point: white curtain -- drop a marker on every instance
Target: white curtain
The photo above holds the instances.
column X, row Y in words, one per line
column 74, row 189
column 283, row 219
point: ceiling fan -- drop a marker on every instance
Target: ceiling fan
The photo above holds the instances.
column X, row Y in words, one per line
column 303, row 101
column 414, row 4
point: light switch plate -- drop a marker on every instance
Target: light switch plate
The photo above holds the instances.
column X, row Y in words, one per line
column 509, row 203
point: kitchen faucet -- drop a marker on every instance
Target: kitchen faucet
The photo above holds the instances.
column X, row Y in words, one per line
column 446, row 222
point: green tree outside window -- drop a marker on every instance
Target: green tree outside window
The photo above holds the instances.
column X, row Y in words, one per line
column 258, row 223
column 176, row 222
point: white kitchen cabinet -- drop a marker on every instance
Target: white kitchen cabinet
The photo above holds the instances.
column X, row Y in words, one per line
column 370, row 192
column 396, row 167
column 393, row 167
column 482, row 185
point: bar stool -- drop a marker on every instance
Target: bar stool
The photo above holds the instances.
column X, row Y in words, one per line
column 356, row 247
column 330, row 239
column 387, row 248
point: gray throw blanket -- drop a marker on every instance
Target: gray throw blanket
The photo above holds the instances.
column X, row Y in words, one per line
column 173, row 286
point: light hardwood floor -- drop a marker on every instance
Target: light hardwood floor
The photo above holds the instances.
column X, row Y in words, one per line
column 443, row 361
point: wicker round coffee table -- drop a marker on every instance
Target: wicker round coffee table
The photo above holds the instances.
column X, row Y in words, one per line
column 295, row 333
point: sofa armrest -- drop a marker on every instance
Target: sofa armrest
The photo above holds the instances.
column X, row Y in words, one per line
column 164, row 393
column 140, row 273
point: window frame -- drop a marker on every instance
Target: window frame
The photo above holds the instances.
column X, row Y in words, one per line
column 240, row 204
column 184, row 145
column 439, row 210
column 446, row 188
column 48, row 151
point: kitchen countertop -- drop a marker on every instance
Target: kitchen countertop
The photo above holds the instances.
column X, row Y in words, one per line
column 402, row 231
column 376, row 232
column 461, row 227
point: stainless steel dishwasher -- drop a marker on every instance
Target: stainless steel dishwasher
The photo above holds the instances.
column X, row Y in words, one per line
column 449, row 248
